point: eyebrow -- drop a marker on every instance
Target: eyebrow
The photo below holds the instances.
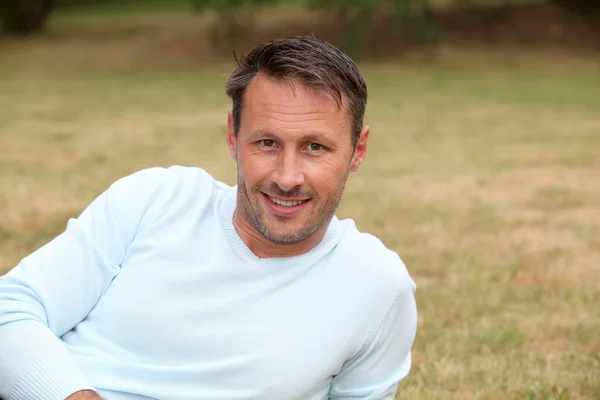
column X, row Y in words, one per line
column 261, row 133
column 310, row 136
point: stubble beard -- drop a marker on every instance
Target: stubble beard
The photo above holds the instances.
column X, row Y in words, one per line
column 255, row 214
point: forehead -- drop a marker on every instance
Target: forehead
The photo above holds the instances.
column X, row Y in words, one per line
column 292, row 105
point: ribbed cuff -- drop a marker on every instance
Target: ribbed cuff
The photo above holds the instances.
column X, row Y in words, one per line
column 54, row 377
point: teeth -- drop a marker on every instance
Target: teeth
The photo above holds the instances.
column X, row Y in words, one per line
column 286, row 203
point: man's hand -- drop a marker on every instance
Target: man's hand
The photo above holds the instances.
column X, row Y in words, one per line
column 84, row 395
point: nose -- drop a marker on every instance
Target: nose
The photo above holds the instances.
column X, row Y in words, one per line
column 289, row 172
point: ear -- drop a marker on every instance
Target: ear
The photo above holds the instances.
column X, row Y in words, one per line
column 231, row 137
column 360, row 152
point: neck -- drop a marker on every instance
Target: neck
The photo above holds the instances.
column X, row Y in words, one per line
column 265, row 248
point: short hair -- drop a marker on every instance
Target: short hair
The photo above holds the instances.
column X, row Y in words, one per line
column 312, row 62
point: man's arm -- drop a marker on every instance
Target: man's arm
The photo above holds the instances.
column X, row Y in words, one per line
column 385, row 359
column 54, row 288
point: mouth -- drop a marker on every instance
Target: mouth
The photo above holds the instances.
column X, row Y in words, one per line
column 283, row 206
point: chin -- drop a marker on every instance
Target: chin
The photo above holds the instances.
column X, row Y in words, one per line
column 287, row 239
column 286, row 236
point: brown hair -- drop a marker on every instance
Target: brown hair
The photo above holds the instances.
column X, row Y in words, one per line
column 310, row 61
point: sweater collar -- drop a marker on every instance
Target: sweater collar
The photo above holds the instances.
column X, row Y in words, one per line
column 227, row 208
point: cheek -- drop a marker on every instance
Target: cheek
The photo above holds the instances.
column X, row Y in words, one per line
column 325, row 179
column 254, row 169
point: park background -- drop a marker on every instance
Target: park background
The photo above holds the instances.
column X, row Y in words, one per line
column 483, row 170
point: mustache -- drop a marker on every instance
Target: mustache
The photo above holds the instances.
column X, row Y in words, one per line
column 275, row 190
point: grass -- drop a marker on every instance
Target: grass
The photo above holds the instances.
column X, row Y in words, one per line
column 483, row 173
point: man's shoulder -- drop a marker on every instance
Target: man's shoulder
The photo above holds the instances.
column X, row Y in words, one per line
column 159, row 175
column 160, row 192
column 175, row 180
column 371, row 260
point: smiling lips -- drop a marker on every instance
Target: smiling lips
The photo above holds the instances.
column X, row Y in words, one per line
column 285, row 207
column 284, row 202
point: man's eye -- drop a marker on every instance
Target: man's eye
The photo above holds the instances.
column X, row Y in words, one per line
column 267, row 143
column 315, row 147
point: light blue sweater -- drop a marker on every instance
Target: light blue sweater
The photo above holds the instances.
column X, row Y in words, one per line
column 151, row 293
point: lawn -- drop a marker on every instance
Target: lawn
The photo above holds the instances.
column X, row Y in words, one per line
column 483, row 175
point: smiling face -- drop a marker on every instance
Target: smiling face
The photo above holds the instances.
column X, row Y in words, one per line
column 294, row 153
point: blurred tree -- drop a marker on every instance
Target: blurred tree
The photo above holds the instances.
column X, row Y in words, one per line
column 410, row 20
column 230, row 16
column 23, row 17
column 587, row 8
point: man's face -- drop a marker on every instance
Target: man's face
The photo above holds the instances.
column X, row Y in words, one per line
column 294, row 154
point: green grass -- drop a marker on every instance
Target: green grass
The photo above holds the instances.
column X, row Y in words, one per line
column 482, row 172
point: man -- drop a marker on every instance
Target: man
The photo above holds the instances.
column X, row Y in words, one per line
column 171, row 285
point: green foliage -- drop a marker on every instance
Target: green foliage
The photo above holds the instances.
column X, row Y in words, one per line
column 232, row 16
column 409, row 20
column 23, row 16
column 121, row 9
column 356, row 17
column 587, row 8
column 227, row 6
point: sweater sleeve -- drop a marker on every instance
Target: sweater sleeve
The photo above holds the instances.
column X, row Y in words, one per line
column 374, row 373
column 54, row 288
